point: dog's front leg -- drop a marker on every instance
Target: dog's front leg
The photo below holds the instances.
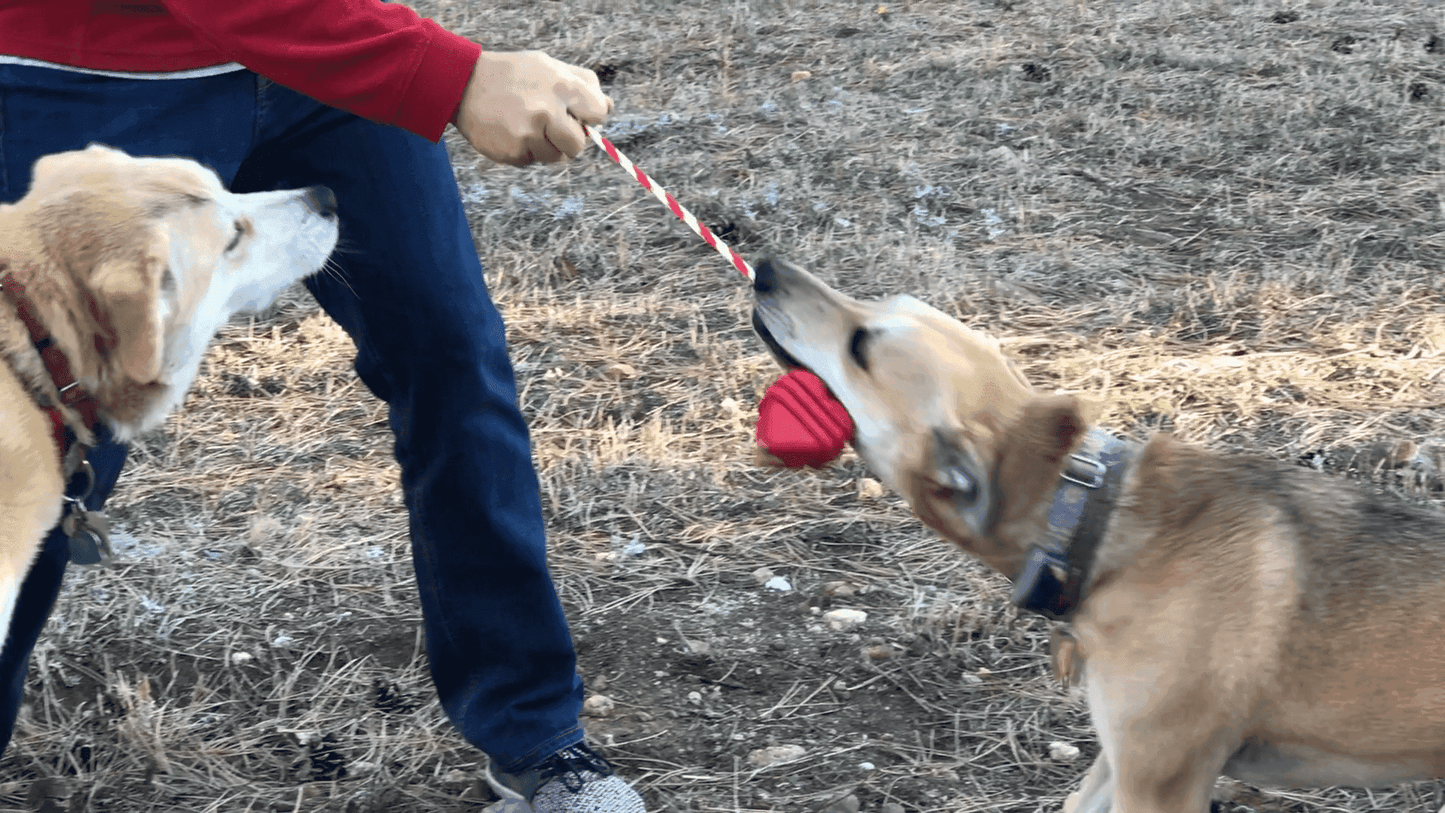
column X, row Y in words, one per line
column 1096, row 794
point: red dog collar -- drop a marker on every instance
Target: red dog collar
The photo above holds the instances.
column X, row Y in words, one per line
column 58, row 366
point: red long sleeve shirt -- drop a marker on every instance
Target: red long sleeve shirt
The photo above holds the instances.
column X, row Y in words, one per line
column 377, row 60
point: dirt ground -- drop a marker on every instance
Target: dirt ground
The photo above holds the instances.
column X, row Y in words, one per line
column 1226, row 219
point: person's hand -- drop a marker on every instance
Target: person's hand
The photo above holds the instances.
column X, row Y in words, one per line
column 523, row 106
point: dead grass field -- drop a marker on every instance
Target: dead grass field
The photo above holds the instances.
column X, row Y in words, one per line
column 1223, row 217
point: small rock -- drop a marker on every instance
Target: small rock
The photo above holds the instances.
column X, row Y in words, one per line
column 878, row 652
column 775, row 755
column 778, row 583
column 866, row 766
column 619, row 371
column 892, row 807
column 362, row 768
column 694, row 698
column 1063, row 752
column 262, row 530
column 599, row 705
column 869, row 489
column 241, row 658
column 840, row 589
column 847, row 804
column 799, row 76
column 1006, row 157
column 970, row 679
column 845, row 620
column 762, row 575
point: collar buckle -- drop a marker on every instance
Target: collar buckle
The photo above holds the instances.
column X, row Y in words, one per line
column 1085, row 471
column 1052, row 578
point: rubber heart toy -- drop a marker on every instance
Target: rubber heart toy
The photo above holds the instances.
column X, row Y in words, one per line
column 800, row 422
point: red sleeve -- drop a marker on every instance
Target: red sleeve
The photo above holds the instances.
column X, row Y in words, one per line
column 377, row 60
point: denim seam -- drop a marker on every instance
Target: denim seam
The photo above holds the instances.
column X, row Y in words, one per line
column 263, row 104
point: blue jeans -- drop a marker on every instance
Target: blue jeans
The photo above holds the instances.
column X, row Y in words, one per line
column 429, row 342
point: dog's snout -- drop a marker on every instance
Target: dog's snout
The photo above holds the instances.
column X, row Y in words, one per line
column 765, row 277
column 322, row 200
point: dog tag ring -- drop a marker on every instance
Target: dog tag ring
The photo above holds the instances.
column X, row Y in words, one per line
column 89, row 535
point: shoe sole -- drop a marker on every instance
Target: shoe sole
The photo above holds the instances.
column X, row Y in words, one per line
column 511, row 801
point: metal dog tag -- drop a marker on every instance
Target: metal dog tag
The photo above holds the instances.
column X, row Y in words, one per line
column 89, row 535
column 1040, row 585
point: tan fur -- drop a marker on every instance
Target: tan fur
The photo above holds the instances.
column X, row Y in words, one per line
column 1243, row 616
column 131, row 267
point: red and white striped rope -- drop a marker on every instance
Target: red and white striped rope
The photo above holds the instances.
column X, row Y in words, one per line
column 668, row 200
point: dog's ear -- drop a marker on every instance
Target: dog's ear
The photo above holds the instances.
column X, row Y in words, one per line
column 119, row 260
column 961, row 480
column 129, row 310
column 1054, row 425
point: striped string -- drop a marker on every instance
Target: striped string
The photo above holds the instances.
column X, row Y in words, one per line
column 670, row 202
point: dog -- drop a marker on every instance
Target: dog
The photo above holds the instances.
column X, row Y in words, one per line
column 1225, row 615
column 115, row 272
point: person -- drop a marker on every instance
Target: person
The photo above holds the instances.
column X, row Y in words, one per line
column 355, row 95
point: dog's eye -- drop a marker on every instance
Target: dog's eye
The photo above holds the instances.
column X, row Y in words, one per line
column 857, row 347
column 962, row 487
column 236, row 238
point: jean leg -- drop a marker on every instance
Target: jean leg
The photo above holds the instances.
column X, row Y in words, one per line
column 430, row 342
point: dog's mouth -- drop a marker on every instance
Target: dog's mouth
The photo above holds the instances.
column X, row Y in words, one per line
column 783, row 357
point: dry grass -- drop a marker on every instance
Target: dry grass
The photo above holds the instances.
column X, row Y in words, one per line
column 1227, row 218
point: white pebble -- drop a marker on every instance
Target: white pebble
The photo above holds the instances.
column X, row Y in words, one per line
column 238, row 658
column 1063, row 752
column 869, row 489
column 777, row 754
column 845, row 620
column 778, row 583
column 599, row 705
column 865, row 766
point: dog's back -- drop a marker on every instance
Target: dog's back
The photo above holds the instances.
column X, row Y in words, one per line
column 1309, row 610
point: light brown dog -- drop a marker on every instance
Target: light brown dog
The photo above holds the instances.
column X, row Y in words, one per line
column 1228, row 615
column 116, row 272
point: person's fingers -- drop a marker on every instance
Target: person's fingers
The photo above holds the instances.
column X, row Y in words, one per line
column 566, row 136
column 588, row 103
column 543, row 148
column 526, row 106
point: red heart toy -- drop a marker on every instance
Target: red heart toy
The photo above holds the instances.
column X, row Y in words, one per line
column 801, row 423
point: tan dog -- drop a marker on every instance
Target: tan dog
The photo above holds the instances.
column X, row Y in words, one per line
column 1228, row 615
column 123, row 269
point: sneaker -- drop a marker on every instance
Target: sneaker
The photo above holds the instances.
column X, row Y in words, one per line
column 573, row 780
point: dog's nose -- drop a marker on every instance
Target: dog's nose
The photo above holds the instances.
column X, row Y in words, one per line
column 765, row 277
column 322, row 200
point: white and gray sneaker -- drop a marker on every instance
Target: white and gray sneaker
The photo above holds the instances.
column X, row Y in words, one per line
column 573, row 780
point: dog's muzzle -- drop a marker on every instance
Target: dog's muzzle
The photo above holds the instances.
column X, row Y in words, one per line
column 783, row 357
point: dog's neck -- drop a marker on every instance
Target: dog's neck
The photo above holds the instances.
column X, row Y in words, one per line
column 71, row 408
column 1052, row 580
